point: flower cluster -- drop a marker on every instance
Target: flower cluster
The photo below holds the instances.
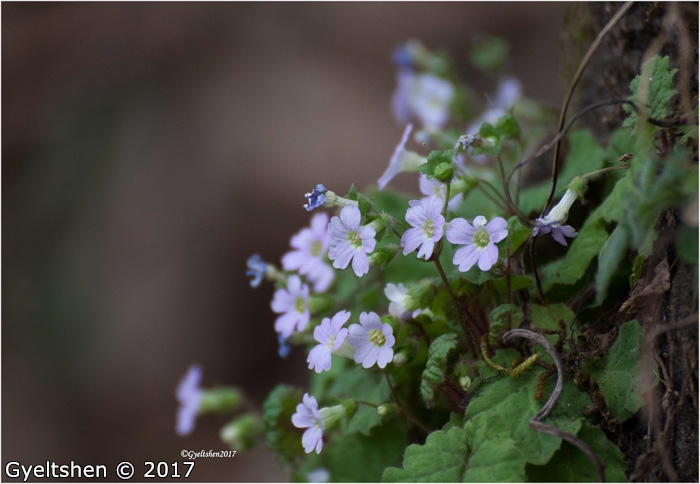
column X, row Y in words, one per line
column 377, row 278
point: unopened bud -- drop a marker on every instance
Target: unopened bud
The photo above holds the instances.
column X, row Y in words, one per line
column 387, row 410
column 221, row 399
column 400, row 358
column 241, row 433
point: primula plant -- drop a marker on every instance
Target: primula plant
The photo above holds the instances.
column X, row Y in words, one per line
column 473, row 332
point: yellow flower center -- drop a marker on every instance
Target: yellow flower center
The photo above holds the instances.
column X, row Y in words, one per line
column 300, row 305
column 481, row 238
column 315, row 249
column 354, row 239
column 429, row 228
column 377, row 337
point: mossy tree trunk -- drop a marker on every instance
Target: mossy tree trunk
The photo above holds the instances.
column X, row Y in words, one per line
column 661, row 443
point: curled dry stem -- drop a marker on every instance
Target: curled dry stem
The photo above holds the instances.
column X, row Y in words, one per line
column 535, row 421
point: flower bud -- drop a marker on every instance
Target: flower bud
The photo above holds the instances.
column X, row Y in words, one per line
column 241, row 433
column 400, row 358
column 330, row 416
column 221, row 399
column 465, row 382
column 387, row 410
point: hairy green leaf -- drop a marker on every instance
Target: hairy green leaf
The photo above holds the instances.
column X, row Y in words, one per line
column 569, row 464
column 498, row 430
column 610, row 257
column 282, row 437
column 652, row 91
column 619, row 372
column 434, row 374
column 583, row 250
column 441, row 459
column 363, row 458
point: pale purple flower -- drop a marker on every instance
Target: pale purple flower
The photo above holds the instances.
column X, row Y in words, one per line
column 425, row 216
column 349, row 241
column 373, row 340
column 321, row 277
column 479, row 241
column 432, row 187
column 310, row 247
column 189, row 395
column 294, row 303
column 330, row 335
column 308, row 417
column 319, row 475
column 401, row 303
column 316, row 198
column 552, row 222
column 401, row 161
column 507, row 94
column 558, row 231
column 422, row 96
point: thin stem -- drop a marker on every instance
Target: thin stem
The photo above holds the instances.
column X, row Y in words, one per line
column 401, row 408
column 535, row 421
column 577, row 76
column 491, row 197
column 493, row 188
column 447, row 200
column 465, row 315
column 592, row 174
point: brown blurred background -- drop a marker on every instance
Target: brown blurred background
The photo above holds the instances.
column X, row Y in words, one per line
column 147, row 151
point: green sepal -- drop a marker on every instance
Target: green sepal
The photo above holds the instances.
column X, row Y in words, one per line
column 492, row 136
column 220, row 400
column 364, row 203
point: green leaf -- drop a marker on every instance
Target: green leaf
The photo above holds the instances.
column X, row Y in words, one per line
column 492, row 136
column 569, row 464
column 441, row 459
column 498, row 430
column 363, row 202
column 501, row 319
column 652, row 91
column 583, row 250
column 508, row 126
column 347, row 380
column 517, row 234
column 619, row 372
column 610, row 257
column 282, row 437
column 361, row 458
column 438, row 359
column 439, row 165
